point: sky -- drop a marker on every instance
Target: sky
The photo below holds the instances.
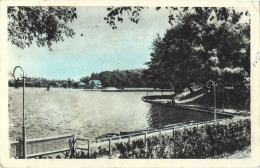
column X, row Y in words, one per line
column 99, row 49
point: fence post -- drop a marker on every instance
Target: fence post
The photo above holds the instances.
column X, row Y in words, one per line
column 72, row 146
column 88, row 148
column 145, row 136
column 18, row 149
column 110, row 149
column 145, row 144
column 129, row 142
column 129, row 139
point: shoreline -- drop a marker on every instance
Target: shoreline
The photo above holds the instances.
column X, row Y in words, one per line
column 128, row 90
column 189, row 108
column 190, row 101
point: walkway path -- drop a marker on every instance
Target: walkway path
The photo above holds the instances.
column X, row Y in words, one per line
column 189, row 102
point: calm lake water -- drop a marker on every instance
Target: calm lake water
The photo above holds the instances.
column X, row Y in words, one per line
column 89, row 113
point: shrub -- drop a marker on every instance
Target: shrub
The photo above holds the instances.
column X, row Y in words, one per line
column 202, row 142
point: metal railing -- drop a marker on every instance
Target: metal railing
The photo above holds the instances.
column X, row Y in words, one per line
column 70, row 144
column 109, row 142
column 43, row 146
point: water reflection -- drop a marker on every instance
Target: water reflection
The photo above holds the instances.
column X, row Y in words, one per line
column 160, row 115
column 89, row 114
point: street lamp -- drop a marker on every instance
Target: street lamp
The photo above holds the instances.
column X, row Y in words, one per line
column 223, row 90
column 24, row 130
column 209, row 86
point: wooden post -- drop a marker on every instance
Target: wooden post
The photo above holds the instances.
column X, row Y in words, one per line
column 74, row 144
column 88, row 148
column 129, row 143
column 18, row 148
column 145, row 136
column 145, row 144
column 129, row 139
column 110, row 149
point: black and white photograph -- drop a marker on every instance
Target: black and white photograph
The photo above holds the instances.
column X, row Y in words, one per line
column 130, row 82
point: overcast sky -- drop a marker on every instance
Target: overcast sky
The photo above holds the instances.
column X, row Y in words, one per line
column 99, row 49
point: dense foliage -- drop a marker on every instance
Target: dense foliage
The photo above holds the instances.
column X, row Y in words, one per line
column 119, row 79
column 202, row 142
column 116, row 14
column 44, row 25
column 43, row 82
column 205, row 44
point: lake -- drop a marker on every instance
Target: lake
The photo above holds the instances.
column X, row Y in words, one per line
column 89, row 113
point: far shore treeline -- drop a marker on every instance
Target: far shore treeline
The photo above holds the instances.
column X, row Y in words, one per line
column 120, row 78
column 117, row 78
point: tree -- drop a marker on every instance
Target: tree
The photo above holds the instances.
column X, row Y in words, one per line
column 85, row 80
column 69, row 82
column 119, row 78
column 116, row 14
column 75, row 85
column 207, row 43
column 65, row 84
column 44, row 25
column 38, row 84
column 53, row 84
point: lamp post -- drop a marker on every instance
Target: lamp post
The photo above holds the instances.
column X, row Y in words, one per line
column 24, row 129
column 214, row 86
column 223, row 90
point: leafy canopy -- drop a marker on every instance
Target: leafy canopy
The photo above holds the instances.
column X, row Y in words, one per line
column 44, row 25
column 206, row 43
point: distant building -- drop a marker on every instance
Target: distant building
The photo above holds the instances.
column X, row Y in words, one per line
column 82, row 85
column 95, row 84
column 55, row 84
column 58, row 84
